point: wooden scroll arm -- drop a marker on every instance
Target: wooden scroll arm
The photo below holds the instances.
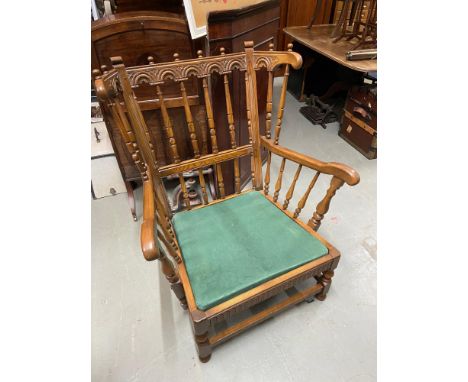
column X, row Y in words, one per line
column 341, row 171
column 148, row 241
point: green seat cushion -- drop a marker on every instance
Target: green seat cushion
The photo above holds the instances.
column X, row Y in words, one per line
column 237, row 244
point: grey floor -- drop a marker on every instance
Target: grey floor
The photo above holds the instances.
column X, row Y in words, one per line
column 140, row 333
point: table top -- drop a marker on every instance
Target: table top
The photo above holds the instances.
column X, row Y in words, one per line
column 318, row 38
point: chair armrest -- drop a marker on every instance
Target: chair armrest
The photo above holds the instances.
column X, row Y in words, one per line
column 148, row 242
column 340, row 170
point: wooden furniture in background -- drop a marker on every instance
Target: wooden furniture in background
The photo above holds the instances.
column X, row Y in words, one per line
column 359, row 125
column 134, row 36
column 318, row 38
column 302, row 13
column 229, row 30
column 327, row 71
column 357, row 21
column 163, row 235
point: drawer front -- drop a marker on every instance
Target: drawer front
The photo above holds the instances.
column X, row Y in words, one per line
column 366, row 115
column 364, row 139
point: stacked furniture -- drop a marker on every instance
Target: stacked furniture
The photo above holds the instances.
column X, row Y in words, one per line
column 359, row 123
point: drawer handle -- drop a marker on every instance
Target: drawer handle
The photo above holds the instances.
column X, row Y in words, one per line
column 363, row 113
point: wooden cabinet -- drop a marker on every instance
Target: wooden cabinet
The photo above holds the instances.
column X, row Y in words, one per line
column 299, row 12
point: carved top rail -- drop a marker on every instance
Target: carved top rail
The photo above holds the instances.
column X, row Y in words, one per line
column 181, row 70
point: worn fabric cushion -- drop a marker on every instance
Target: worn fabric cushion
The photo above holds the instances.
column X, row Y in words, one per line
column 237, row 244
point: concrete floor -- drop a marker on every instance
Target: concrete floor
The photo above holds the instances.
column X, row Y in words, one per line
column 140, row 333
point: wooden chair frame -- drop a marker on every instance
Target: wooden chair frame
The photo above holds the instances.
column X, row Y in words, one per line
column 158, row 239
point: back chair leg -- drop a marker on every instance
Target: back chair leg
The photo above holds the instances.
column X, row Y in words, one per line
column 171, row 275
column 325, row 280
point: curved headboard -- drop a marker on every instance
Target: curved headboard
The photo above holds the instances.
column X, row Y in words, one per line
column 136, row 35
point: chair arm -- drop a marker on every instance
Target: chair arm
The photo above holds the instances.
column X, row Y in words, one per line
column 340, row 170
column 148, row 242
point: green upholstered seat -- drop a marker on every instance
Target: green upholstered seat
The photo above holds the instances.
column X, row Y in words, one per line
column 237, row 244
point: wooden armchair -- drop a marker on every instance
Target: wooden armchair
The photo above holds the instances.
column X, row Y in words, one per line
column 236, row 251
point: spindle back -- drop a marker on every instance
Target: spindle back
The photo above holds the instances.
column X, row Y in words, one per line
column 116, row 89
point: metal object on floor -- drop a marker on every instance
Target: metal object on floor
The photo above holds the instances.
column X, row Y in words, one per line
column 194, row 191
column 318, row 112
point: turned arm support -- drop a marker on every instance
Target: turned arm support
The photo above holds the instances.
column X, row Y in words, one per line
column 339, row 170
column 148, row 241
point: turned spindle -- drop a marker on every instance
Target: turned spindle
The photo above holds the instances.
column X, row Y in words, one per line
column 279, row 180
column 167, row 124
column 212, row 129
column 290, row 192
column 232, row 128
column 304, row 198
column 184, row 191
column 269, row 100
column 324, row 205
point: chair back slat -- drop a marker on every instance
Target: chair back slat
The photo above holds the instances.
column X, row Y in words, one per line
column 253, row 122
column 212, row 129
column 188, row 116
column 269, row 99
column 190, row 124
column 167, row 124
column 249, row 127
column 209, row 116
column 232, row 127
column 282, row 101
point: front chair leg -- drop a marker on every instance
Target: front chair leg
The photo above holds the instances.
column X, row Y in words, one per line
column 178, row 290
column 200, row 327
column 325, row 280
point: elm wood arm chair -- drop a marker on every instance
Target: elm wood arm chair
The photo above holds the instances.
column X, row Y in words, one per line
column 231, row 253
